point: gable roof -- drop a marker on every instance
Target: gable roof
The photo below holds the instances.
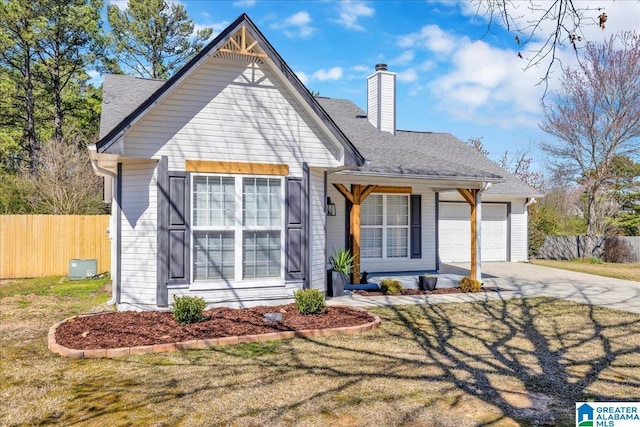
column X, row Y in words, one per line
column 424, row 154
column 109, row 135
column 438, row 156
column 121, row 95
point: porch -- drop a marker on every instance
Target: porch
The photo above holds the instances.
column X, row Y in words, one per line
column 448, row 277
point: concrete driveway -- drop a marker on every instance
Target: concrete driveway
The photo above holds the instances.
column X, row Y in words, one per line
column 522, row 280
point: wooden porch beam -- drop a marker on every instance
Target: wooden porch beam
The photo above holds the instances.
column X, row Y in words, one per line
column 393, row 190
column 367, row 191
column 468, row 195
column 343, row 190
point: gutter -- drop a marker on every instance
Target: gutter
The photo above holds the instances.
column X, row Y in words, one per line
column 530, row 202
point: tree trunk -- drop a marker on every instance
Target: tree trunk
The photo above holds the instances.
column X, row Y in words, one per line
column 30, row 107
column 591, row 221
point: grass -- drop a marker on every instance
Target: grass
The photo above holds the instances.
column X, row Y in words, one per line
column 500, row 363
column 618, row 271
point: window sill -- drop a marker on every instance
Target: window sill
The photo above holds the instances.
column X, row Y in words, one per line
column 236, row 284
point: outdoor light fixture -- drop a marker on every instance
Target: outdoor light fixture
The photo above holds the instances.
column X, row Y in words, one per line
column 331, row 207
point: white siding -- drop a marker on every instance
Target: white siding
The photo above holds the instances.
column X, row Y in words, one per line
column 519, row 239
column 231, row 112
column 318, row 218
column 336, row 225
column 388, row 103
column 381, row 101
column 139, row 233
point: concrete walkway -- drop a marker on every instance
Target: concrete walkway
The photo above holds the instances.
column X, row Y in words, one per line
column 521, row 280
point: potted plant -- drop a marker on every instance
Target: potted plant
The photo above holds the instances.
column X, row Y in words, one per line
column 340, row 261
column 427, row 282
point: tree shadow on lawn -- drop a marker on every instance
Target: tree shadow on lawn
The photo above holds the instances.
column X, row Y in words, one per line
column 528, row 360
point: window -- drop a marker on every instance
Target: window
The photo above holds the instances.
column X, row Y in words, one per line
column 384, row 222
column 237, row 223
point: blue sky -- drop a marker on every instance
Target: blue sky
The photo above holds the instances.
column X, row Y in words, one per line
column 452, row 74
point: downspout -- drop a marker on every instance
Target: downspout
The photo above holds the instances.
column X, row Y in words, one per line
column 108, row 174
column 484, row 187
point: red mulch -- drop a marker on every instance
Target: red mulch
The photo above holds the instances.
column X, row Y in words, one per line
column 377, row 293
column 130, row 329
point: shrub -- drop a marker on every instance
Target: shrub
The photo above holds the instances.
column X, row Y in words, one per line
column 309, row 301
column 467, row 284
column 390, row 286
column 188, row 309
column 617, row 250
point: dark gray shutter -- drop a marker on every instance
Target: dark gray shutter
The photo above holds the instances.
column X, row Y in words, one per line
column 178, row 227
column 173, row 230
column 416, row 226
column 295, row 244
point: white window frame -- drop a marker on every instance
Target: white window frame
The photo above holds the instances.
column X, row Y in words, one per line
column 238, row 229
column 385, row 226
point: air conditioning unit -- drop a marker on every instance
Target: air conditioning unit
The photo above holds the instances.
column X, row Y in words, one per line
column 82, row 268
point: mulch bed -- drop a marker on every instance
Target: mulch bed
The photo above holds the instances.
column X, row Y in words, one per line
column 130, row 329
column 437, row 291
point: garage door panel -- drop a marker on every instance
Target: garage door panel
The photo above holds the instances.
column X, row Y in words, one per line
column 454, row 227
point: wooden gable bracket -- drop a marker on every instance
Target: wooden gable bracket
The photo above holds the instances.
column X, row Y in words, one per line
column 356, row 196
column 470, row 196
column 238, row 44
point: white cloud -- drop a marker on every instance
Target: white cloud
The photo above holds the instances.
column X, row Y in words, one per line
column 409, row 75
column 404, row 58
column 296, row 25
column 304, row 77
column 487, row 85
column 430, row 37
column 334, row 73
column 217, row 28
column 243, row 3
column 350, row 11
column 122, row 4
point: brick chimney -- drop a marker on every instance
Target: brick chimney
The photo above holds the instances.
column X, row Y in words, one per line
column 381, row 99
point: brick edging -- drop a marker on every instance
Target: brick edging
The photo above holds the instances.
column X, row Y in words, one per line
column 201, row 344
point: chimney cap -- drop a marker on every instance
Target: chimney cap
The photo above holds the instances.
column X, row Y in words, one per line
column 381, row 67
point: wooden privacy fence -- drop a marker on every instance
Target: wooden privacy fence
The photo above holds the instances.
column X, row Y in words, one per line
column 618, row 248
column 43, row 245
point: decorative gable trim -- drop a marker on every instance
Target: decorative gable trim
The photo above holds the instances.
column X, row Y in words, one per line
column 247, row 42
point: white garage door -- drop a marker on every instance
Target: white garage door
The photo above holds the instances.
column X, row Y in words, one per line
column 454, row 239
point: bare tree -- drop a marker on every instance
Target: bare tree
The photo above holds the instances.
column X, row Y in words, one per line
column 517, row 163
column 64, row 183
column 595, row 117
column 476, row 143
column 556, row 23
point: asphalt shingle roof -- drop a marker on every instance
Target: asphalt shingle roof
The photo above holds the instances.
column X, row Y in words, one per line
column 425, row 154
column 416, row 154
column 121, row 95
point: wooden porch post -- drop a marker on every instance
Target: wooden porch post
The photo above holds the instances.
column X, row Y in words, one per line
column 471, row 196
column 356, row 196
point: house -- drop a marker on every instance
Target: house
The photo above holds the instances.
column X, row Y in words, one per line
column 221, row 177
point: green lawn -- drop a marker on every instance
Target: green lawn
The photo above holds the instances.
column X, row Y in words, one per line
column 499, row 363
column 619, row 271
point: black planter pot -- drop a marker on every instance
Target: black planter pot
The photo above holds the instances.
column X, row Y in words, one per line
column 427, row 283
